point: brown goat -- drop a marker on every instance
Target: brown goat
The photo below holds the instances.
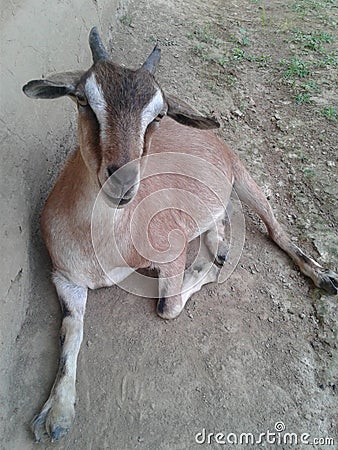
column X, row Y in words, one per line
column 147, row 178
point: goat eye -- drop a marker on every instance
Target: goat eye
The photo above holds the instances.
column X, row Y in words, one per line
column 81, row 99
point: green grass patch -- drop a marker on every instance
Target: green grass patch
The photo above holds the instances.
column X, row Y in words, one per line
column 328, row 19
column 308, row 6
column 230, row 80
column 312, row 40
column 206, row 36
column 302, row 97
column 262, row 60
column 308, row 171
column 310, row 86
column 331, row 113
column 328, row 61
column 201, row 51
column 296, row 68
column 263, row 17
column 238, row 54
column 242, row 40
column 223, row 61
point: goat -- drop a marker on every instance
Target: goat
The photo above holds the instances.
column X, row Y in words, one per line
column 128, row 127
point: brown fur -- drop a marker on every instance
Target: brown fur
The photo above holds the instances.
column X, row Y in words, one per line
column 81, row 247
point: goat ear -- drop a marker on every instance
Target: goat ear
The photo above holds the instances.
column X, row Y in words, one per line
column 56, row 85
column 187, row 115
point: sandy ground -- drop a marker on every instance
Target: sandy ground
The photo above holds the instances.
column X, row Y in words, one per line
column 256, row 350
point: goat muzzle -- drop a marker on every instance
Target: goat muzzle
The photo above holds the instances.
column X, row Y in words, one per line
column 121, row 184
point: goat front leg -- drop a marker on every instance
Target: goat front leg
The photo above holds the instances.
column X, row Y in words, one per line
column 248, row 192
column 58, row 412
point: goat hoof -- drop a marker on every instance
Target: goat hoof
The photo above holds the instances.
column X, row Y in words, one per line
column 38, row 426
column 222, row 253
column 58, row 433
column 53, row 422
column 168, row 308
column 328, row 281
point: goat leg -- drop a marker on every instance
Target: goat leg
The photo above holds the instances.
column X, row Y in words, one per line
column 249, row 193
column 58, row 412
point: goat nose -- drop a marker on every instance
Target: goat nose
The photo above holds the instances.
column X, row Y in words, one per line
column 123, row 176
column 111, row 169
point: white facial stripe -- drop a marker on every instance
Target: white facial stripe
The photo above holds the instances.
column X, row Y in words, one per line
column 151, row 110
column 97, row 102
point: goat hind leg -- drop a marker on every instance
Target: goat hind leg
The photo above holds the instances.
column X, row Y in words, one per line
column 58, row 412
column 250, row 194
column 170, row 304
column 216, row 243
column 201, row 272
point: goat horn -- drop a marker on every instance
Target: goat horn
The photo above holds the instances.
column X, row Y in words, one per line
column 153, row 59
column 96, row 46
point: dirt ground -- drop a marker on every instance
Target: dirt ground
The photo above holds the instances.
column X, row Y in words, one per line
column 262, row 347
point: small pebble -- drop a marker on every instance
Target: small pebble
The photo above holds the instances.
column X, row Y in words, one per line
column 238, row 113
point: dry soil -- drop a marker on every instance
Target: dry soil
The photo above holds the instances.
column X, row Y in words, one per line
column 260, row 348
